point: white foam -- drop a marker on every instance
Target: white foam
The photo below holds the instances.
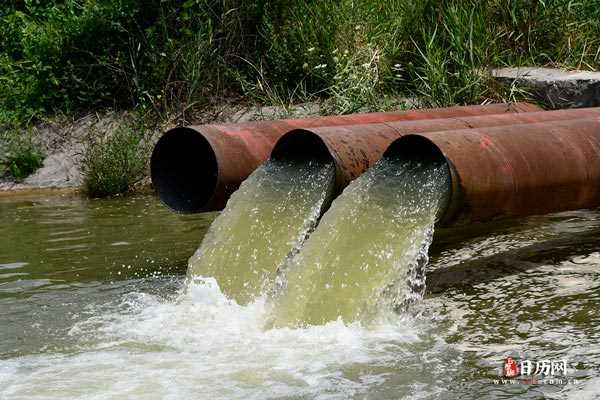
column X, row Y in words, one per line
column 203, row 345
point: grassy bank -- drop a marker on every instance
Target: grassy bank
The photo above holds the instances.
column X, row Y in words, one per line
column 172, row 59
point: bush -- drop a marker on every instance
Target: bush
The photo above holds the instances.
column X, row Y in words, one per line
column 113, row 163
column 76, row 55
column 55, row 55
column 177, row 55
column 450, row 57
column 20, row 155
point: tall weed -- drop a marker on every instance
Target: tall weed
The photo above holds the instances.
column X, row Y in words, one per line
column 114, row 163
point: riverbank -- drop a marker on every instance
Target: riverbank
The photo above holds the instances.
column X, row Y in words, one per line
column 64, row 141
column 174, row 62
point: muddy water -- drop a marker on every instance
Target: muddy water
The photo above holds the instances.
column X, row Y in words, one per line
column 92, row 306
column 61, row 254
column 265, row 221
column 370, row 249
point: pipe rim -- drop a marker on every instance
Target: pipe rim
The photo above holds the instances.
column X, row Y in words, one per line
column 414, row 144
column 302, row 144
column 285, row 150
column 184, row 170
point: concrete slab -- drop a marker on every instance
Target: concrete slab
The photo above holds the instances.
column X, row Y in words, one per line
column 555, row 87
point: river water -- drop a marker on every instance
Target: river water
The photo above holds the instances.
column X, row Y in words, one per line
column 92, row 305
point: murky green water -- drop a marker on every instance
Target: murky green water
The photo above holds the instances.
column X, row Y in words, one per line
column 368, row 252
column 92, row 306
column 62, row 254
column 265, row 221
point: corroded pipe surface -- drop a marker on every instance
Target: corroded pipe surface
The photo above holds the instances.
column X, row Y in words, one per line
column 515, row 170
column 197, row 168
column 355, row 148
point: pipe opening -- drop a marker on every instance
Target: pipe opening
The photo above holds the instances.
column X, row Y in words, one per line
column 300, row 145
column 419, row 149
column 184, row 170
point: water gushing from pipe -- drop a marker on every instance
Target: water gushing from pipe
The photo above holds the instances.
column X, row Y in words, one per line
column 369, row 251
column 264, row 222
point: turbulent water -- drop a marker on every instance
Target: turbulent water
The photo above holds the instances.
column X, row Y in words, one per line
column 370, row 248
column 93, row 304
column 265, row 221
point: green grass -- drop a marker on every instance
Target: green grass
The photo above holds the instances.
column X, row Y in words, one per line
column 173, row 58
column 113, row 164
column 20, row 155
column 354, row 54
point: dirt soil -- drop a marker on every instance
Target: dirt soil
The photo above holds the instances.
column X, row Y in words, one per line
column 64, row 141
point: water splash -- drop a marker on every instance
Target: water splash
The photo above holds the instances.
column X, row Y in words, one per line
column 266, row 220
column 200, row 342
column 533, row 290
column 370, row 249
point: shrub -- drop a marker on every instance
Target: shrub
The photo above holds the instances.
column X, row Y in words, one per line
column 75, row 55
column 356, row 82
column 449, row 57
column 113, row 163
column 20, row 155
column 177, row 55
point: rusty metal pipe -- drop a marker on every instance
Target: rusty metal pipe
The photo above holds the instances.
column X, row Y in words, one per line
column 515, row 170
column 196, row 168
column 355, row 148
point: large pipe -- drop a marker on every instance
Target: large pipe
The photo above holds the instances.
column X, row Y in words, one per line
column 515, row 170
column 355, row 148
column 196, row 168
